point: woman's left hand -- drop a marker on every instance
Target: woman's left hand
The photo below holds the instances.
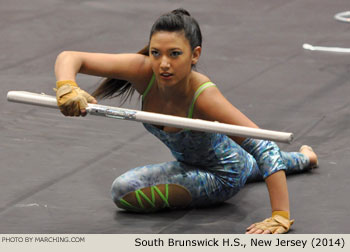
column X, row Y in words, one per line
column 276, row 224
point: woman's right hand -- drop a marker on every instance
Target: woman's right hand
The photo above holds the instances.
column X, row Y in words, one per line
column 71, row 100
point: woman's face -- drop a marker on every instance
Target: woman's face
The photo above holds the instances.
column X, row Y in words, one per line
column 171, row 57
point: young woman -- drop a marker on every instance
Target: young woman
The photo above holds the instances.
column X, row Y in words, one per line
column 209, row 168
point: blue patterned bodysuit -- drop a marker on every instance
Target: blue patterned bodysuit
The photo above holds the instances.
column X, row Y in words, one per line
column 211, row 166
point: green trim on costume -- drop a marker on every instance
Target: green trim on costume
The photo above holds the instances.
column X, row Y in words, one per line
column 127, row 204
column 147, row 199
column 150, row 84
column 196, row 94
column 139, row 194
column 164, row 198
column 138, row 198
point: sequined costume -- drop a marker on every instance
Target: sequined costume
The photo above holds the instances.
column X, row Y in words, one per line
column 211, row 166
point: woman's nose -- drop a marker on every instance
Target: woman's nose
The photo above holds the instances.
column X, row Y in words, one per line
column 164, row 63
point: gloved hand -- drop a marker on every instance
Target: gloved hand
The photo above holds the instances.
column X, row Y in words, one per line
column 279, row 223
column 71, row 100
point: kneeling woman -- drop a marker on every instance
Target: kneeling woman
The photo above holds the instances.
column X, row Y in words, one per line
column 209, row 167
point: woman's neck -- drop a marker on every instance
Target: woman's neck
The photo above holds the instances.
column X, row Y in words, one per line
column 180, row 91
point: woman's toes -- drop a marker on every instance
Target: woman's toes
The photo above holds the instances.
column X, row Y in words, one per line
column 308, row 151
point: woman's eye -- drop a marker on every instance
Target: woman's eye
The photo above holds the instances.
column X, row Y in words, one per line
column 175, row 53
column 155, row 53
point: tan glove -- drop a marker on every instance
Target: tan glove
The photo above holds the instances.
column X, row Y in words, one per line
column 71, row 100
column 279, row 223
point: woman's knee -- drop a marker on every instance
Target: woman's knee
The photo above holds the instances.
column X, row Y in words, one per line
column 122, row 186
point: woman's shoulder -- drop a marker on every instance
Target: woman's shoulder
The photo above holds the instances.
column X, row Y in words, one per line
column 141, row 72
column 210, row 97
column 199, row 79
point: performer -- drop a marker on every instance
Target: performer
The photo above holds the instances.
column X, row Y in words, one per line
column 209, row 167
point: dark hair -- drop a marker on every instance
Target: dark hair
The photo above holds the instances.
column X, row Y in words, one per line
column 178, row 20
column 110, row 88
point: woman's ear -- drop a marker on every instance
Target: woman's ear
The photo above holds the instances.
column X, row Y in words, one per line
column 196, row 53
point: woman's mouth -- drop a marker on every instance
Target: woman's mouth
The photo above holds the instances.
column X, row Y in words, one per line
column 166, row 76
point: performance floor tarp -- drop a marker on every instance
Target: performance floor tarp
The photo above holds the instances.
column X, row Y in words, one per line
column 56, row 172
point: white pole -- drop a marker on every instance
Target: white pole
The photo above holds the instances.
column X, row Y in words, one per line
column 326, row 48
column 343, row 16
column 155, row 118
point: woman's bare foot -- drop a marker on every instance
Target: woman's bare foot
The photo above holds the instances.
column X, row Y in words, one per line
column 309, row 152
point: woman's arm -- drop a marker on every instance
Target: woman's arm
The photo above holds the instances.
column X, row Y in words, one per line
column 212, row 105
column 73, row 101
column 278, row 192
column 134, row 68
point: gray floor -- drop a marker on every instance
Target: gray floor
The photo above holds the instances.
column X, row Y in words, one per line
column 56, row 172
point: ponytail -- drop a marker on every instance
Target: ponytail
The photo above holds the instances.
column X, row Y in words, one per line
column 110, row 88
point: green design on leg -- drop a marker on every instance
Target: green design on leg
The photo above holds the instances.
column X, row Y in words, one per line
column 147, row 199
column 164, row 198
column 138, row 198
column 139, row 193
column 127, row 204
